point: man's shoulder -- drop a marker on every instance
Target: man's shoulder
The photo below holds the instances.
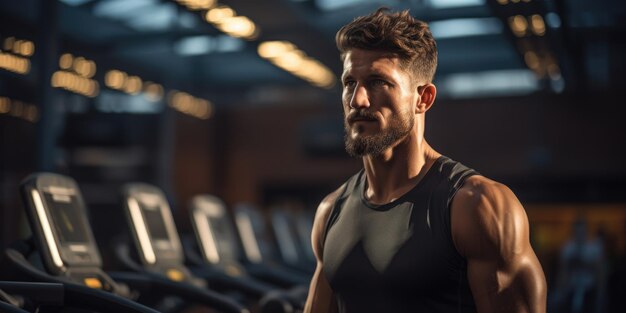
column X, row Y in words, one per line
column 322, row 215
column 484, row 208
column 477, row 187
column 479, row 190
column 345, row 188
column 482, row 198
column 455, row 172
column 329, row 201
column 325, row 207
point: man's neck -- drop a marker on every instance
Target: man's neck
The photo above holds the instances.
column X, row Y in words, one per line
column 397, row 170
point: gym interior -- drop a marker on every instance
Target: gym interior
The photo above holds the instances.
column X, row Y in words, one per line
column 228, row 114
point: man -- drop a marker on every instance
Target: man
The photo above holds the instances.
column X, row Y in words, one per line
column 413, row 231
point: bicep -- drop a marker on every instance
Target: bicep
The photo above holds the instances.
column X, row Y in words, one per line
column 492, row 233
column 320, row 298
column 513, row 286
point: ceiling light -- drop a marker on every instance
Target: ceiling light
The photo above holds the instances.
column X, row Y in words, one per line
column 17, row 46
column 218, row 14
column 198, row 4
column 5, row 105
column 273, row 49
column 91, row 69
column 288, row 57
column 75, row 83
column 65, row 61
column 238, row 26
column 225, row 19
column 27, row 48
column 537, row 25
column 80, row 66
column 518, row 25
column 133, row 85
column 14, row 63
column 190, row 105
column 290, row 60
column 531, row 59
column 115, row 79
column 153, row 91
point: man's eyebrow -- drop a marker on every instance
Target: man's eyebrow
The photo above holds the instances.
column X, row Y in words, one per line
column 369, row 76
column 380, row 75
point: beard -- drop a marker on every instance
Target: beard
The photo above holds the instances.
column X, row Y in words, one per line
column 375, row 145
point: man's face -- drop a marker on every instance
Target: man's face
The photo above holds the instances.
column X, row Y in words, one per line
column 379, row 99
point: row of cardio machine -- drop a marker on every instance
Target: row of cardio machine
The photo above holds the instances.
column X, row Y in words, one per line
column 59, row 269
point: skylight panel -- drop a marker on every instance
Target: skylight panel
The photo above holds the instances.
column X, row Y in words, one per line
column 465, row 27
column 449, row 4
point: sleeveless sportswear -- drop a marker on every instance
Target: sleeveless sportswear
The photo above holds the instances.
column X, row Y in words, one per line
column 398, row 257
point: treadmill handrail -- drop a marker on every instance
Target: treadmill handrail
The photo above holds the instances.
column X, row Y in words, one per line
column 84, row 297
column 40, row 293
column 244, row 284
column 9, row 308
column 157, row 283
column 76, row 295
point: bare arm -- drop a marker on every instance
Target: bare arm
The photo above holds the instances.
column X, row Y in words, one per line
column 490, row 228
column 321, row 298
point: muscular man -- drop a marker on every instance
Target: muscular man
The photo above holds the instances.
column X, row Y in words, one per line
column 414, row 231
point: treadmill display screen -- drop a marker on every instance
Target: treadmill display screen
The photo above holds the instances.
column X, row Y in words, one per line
column 65, row 213
column 155, row 222
column 224, row 237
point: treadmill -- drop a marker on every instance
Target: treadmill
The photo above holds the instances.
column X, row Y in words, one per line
column 217, row 242
column 259, row 251
column 158, row 250
column 62, row 250
column 292, row 234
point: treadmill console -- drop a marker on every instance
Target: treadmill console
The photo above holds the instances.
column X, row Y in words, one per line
column 153, row 229
column 61, row 231
column 214, row 231
column 56, row 212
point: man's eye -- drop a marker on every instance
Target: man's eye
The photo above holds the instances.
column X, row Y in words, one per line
column 349, row 84
column 378, row 82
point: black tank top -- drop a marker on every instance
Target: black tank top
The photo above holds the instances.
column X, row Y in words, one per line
column 398, row 257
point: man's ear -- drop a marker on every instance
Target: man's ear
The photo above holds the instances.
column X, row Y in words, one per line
column 427, row 94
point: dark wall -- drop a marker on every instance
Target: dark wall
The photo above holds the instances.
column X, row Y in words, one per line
column 547, row 147
column 537, row 136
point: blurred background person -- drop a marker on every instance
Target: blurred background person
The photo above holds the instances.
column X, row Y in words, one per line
column 582, row 278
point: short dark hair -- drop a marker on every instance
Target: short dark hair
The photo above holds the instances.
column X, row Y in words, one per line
column 398, row 33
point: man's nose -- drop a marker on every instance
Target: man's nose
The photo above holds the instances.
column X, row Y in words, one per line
column 360, row 98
